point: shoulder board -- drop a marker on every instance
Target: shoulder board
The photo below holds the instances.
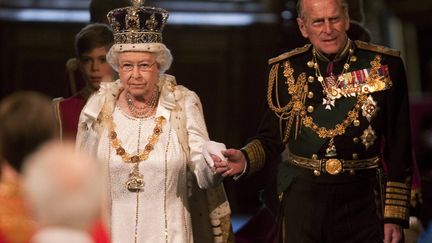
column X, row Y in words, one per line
column 289, row 54
column 377, row 48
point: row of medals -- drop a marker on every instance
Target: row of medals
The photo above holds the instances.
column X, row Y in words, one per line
column 332, row 92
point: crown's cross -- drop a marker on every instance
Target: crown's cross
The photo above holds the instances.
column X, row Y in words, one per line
column 151, row 23
column 137, row 3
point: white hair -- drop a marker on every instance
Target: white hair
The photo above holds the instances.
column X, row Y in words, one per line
column 300, row 13
column 163, row 54
column 63, row 187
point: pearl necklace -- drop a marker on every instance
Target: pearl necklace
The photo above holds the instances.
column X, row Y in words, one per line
column 143, row 111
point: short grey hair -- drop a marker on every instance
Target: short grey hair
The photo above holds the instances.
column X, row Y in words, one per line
column 299, row 8
column 163, row 54
column 63, row 185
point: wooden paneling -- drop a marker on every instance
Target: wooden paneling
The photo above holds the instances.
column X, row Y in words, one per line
column 33, row 56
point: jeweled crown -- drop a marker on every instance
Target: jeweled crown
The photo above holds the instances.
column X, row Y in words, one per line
column 137, row 23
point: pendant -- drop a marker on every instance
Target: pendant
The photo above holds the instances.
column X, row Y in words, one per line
column 333, row 92
column 331, row 89
column 328, row 102
column 135, row 182
column 331, row 149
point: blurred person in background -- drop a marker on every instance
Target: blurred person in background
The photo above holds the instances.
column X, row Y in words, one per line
column 62, row 187
column 26, row 122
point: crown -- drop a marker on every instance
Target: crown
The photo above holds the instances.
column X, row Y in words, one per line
column 137, row 24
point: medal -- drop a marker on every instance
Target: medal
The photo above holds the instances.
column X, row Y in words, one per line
column 328, row 103
column 135, row 182
column 369, row 108
column 331, row 149
column 331, row 84
column 368, row 137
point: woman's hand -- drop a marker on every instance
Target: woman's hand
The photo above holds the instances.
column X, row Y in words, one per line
column 234, row 164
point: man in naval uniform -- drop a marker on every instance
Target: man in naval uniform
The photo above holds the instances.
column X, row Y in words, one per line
column 340, row 107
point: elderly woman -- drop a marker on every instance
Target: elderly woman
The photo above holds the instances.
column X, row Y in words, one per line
column 149, row 133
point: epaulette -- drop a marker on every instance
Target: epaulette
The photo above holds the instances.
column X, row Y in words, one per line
column 377, row 48
column 289, row 54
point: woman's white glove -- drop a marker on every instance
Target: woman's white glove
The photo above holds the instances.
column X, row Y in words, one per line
column 213, row 148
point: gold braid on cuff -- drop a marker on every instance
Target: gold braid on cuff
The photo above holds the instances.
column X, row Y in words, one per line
column 397, row 200
column 256, row 155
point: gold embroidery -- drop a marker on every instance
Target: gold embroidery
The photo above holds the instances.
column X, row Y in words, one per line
column 273, row 79
column 288, row 73
column 298, row 91
column 397, row 190
column 397, row 184
column 256, row 155
column 289, row 54
column 396, row 202
column 395, row 212
column 295, row 109
column 397, row 196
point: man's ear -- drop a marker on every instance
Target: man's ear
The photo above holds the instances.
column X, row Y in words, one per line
column 302, row 27
column 347, row 23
